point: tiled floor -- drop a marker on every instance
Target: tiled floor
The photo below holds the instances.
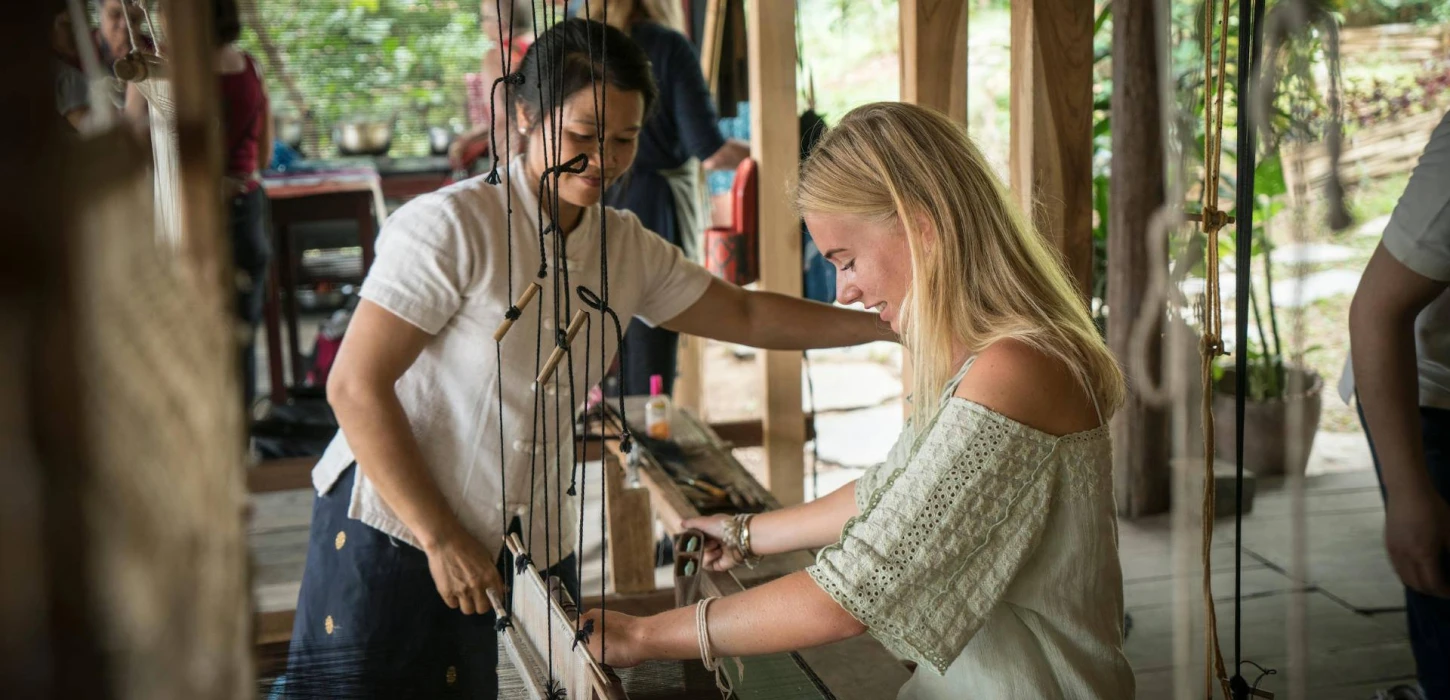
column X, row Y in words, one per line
column 1353, row 625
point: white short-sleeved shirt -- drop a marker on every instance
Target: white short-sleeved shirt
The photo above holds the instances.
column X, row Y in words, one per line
column 1418, row 236
column 442, row 265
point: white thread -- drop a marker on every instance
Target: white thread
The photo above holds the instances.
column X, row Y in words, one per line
column 707, row 657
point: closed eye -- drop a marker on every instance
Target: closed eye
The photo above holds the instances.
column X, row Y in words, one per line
column 849, row 266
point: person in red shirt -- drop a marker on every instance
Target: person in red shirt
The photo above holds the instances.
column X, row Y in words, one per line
column 247, row 150
column 511, row 44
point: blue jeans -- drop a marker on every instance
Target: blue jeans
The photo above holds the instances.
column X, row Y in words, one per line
column 370, row 622
column 1428, row 616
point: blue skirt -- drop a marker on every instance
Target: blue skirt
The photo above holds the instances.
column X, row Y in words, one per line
column 370, row 622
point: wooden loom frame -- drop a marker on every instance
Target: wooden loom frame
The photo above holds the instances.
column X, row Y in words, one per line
column 536, row 605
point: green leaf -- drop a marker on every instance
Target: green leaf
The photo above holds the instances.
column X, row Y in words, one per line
column 1103, row 127
column 1269, row 177
column 1103, row 18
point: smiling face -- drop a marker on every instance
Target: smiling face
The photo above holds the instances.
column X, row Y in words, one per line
column 872, row 259
column 113, row 25
column 623, row 120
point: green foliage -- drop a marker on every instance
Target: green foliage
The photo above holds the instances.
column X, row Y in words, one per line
column 1363, row 13
column 1102, row 155
column 372, row 58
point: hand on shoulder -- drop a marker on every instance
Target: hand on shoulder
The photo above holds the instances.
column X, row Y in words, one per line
column 1030, row 387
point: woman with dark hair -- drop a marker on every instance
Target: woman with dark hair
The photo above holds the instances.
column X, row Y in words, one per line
column 247, row 149
column 662, row 188
column 411, row 509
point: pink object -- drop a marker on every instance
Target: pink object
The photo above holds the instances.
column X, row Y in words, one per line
column 323, row 356
column 656, row 385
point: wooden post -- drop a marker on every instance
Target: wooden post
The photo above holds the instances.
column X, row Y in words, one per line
column 1141, row 471
column 934, row 55
column 631, row 532
column 775, row 146
column 689, row 393
column 1051, row 140
column 129, row 579
column 933, row 74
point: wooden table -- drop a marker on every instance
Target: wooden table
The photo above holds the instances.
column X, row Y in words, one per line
column 353, row 193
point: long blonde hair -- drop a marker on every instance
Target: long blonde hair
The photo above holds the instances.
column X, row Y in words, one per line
column 985, row 276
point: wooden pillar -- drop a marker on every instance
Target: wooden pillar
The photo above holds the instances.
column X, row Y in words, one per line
column 129, row 402
column 775, row 146
column 689, row 390
column 933, row 74
column 1051, row 141
column 934, row 55
column 1141, row 472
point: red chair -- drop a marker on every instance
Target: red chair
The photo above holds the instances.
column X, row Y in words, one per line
column 732, row 253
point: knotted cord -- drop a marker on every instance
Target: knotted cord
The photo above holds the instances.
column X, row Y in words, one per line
column 1212, row 220
column 1211, row 346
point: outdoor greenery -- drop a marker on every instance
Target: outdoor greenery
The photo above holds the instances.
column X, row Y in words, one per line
column 345, row 59
column 1363, row 13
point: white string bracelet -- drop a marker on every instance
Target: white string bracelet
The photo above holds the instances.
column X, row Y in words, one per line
column 707, row 657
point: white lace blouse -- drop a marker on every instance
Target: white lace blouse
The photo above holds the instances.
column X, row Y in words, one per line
column 986, row 551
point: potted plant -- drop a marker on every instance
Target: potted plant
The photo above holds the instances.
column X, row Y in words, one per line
column 1277, row 390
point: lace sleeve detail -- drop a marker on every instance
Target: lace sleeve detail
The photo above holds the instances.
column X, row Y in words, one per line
column 938, row 543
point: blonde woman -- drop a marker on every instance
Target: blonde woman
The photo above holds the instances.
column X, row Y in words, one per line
column 985, row 548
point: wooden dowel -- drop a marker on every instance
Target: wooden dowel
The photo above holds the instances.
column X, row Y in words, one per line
column 558, row 354
column 497, row 603
column 523, row 303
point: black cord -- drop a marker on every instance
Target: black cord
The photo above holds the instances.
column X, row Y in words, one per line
column 1250, row 16
column 1263, row 672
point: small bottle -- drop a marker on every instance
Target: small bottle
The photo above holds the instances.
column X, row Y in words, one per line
column 657, row 410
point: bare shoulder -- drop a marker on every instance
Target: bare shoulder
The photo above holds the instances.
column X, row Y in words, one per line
column 1030, row 387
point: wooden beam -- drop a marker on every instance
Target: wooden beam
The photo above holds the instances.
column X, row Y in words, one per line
column 711, row 42
column 934, row 55
column 1141, row 473
column 631, row 532
column 287, row 474
column 775, row 146
column 1051, row 139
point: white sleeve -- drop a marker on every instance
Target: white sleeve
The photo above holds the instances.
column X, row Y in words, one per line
column 1418, row 234
column 671, row 281
column 426, row 262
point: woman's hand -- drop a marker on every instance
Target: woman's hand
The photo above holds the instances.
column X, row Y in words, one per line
column 717, row 556
column 464, row 571
column 617, row 635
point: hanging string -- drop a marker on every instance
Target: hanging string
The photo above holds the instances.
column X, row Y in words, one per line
column 506, row 80
column 1211, row 343
column 600, row 86
column 1251, row 16
column 130, row 30
column 593, row 301
column 150, row 27
column 503, row 618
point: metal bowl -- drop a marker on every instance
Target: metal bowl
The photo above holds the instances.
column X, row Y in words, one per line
column 363, row 137
column 439, row 138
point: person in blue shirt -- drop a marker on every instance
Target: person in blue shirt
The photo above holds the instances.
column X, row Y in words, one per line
column 662, row 187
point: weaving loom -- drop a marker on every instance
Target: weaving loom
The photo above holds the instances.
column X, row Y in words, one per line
column 523, row 665
column 523, row 669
